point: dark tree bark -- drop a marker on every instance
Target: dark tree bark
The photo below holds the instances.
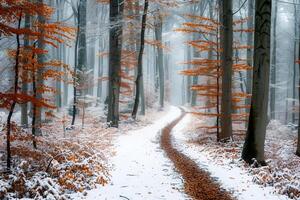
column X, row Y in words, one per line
column 34, row 107
column 115, row 47
column 255, row 137
column 82, row 49
column 139, row 78
column 226, row 66
column 74, row 112
column 13, row 105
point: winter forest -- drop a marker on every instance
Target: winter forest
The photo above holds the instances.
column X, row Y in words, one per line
column 150, row 99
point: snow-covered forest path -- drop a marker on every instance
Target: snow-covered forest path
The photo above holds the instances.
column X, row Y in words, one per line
column 141, row 169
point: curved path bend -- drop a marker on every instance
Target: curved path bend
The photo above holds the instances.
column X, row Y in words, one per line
column 197, row 182
column 143, row 171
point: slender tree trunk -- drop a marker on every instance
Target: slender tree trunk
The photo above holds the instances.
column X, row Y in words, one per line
column 13, row 105
column 143, row 105
column 273, row 66
column 255, row 137
column 65, row 82
column 298, row 143
column 82, row 47
column 74, row 112
column 250, row 25
column 189, row 78
column 100, row 71
column 115, row 47
column 91, row 64
column 39, row 79
column 34, row 108
column 139, row 78
column 226, row 65
column 194, row 80
column 24, row 106
column 296, row 28
column 58, row 57
column 160, row 62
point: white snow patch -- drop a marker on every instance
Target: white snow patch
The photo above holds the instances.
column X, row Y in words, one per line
column 141, row 170
column 231, row 177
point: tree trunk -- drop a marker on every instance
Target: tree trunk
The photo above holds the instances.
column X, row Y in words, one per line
column 255, row 137
column 159, row 62
column 189, row 78
column 273, row 66
column 298, row 143
column 74, row 112
column 100, row 71
column 65, row 82
column 296, row 28
column 115, row 48
column 34, row 109
column 39, row 79
column 194, row 80
column 13, row 105
column 82, row 48
column 91, row 64
column 58, row 96
column 139, row 78
column 226, row 65
column 250, row 25
column 143, row 105
column 24, row 106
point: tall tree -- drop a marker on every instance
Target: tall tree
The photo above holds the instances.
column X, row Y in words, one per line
column 139, row 78
column 115, row 46
column 59, row 12
column 15, row 91
column 250, row 26
column 41, row 58
column 24, row 106
column 82, row 47
column 298, row 143
column 296, row 29
column 226, row 65
column 273, row 65
column 160, row 64
column 255, row 138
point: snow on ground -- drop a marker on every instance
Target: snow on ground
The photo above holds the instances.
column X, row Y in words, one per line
column 141, row 170
column 80, row 161
column 228, row 172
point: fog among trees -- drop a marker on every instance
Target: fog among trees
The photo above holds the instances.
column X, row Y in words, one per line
column 150, row 99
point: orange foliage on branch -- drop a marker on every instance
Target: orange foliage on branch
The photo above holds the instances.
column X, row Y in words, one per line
column 207, row 67
column 24, row 56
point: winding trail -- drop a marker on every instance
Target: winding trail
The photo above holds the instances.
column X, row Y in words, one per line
column 197, row 182
column 142, row 170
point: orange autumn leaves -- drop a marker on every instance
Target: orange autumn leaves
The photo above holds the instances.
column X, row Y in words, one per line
column 52, row 34
column 208, row 67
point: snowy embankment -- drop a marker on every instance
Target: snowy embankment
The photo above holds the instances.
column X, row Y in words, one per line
column 229, row 173
column 79, row 162
column 140, row 168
